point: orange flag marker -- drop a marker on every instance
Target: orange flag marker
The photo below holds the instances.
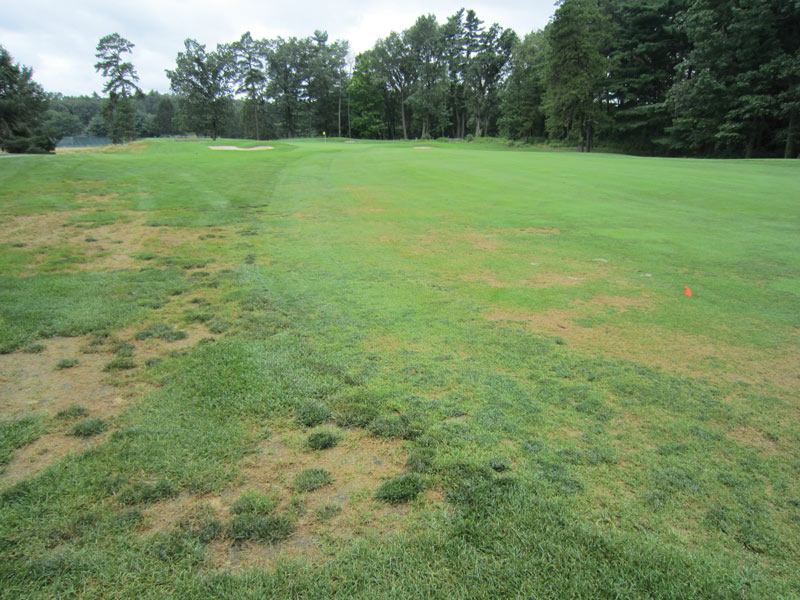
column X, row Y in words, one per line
column 688, row 291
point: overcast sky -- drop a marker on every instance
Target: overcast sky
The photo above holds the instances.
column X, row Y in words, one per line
column 58, row 39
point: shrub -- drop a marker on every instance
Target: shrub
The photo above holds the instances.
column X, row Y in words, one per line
column 400, row 489
column 311, row 413
column 268, row 529
column 320, row 440
column 88, row 428
column 312, row 479
column 255, row 503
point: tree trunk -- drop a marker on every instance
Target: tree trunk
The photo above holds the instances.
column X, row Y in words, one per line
column 403, row 115
column 788, row 151
column 255, row 117
column 590, row 136
column 349, row 132
column 340, row 114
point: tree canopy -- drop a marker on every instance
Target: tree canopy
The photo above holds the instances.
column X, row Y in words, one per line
column 23, row 106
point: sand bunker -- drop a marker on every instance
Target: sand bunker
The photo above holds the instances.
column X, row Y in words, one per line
column 237, row 148
column 422, row 147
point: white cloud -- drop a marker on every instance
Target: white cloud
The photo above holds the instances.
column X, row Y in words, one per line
column 58, row 39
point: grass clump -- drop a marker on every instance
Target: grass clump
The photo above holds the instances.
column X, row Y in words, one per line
column 121, row 363
column 253, row 502
column 327, row 512
column 72, row 412
column 312, row 479
column 143, row 492
column 164, row 332
column 17, row 433
column 33, row 348
column 268, row 529
column 203, row 526
column 392, row 426
column 66, row 363
column 311, row 413
column 321, row 440
column 89, row 428
column 400, row 489
column 500, row 463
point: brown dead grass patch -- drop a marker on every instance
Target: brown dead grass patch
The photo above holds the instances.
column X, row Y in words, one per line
column 531, row 230
column 486, row 278
column 675, row 352
column 30, row 383
column 241, row 149
column 115, row 243
column 366, row 196
column 41, row 453
column 747, row 436
column 359, row 464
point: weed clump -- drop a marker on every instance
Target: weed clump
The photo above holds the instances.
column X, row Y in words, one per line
column 311, row 413
column 269, row 529
column 66, row 363
column 320, row 440
column 253, row 502
column 312, row 479
column 146, row 493
column 400, row 489
column 72, row 412
column 89, row 428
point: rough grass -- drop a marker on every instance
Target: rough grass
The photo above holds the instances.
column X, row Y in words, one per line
column 583, row 428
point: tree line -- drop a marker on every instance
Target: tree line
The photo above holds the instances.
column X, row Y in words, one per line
column 657, row 77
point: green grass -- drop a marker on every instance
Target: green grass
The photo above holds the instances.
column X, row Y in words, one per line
column 254, row 502
column 400, row 489
column 17, row 433
column 312, row 479
column 593, row 431
column 89, row 428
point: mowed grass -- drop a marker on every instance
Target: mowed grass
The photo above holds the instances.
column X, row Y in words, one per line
column 572, row 424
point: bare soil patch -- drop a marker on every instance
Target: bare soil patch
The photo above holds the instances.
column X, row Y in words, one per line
column 423, row 147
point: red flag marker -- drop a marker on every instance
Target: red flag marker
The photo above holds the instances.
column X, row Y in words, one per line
column 688, row 291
